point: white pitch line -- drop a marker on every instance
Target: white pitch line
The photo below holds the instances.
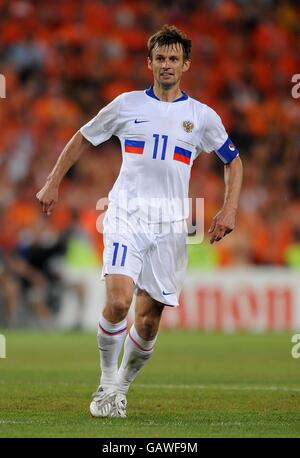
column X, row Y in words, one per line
column 218, row 387
column 17, row 422
column 179, row 386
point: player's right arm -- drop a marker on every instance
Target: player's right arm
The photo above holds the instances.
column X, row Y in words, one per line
column 96, row 131
column 48, row 195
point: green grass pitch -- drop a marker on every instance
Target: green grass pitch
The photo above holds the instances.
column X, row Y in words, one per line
column 196, row 385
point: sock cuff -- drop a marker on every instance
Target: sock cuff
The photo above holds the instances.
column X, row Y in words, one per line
column 112, row 329
column 142, row 344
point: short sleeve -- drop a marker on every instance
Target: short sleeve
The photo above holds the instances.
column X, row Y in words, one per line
column 104, row 124
column 215, row 138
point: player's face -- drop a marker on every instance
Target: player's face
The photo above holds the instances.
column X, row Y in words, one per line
column 167, row 65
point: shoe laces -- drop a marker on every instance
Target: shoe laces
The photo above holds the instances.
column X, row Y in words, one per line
column 121, row 401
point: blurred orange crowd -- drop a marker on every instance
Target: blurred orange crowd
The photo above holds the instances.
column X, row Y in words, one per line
column 63, row 61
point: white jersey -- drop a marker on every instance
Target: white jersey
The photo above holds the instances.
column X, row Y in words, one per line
column 160, row 141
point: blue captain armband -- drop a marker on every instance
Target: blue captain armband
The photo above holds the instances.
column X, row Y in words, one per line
column 227, row 152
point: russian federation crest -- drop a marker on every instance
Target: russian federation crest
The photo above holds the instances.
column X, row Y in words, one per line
column 188, row 126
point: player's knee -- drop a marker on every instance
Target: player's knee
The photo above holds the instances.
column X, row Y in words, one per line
column 149, row 326
column 119, row 305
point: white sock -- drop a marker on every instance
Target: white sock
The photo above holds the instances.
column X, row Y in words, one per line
column 137, row 352
column 110, row 341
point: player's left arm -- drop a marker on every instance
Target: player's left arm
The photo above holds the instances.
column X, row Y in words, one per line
column 224, row 221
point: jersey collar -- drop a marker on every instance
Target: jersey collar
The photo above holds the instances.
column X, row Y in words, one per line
column 150, row 92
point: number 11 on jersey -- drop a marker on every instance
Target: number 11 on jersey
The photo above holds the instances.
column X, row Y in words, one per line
column 164, row 147
column 116, row 249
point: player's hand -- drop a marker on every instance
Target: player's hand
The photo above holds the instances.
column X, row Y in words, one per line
column 48, row 197
column 223, row 223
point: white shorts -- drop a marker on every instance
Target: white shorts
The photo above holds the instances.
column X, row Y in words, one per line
column 153, row 255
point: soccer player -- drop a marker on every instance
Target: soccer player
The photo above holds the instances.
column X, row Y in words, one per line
column 162, row 131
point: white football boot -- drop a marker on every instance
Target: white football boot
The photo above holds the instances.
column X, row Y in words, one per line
column 102, row 402
column 119, row 406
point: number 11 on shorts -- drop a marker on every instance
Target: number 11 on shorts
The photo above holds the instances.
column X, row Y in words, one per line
column 115, row 255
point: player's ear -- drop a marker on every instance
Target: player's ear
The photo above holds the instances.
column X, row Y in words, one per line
column 186, row 65
column 149, row 62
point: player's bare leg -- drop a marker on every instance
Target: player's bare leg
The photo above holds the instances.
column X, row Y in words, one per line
column 138, row 347
column 111, row 335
